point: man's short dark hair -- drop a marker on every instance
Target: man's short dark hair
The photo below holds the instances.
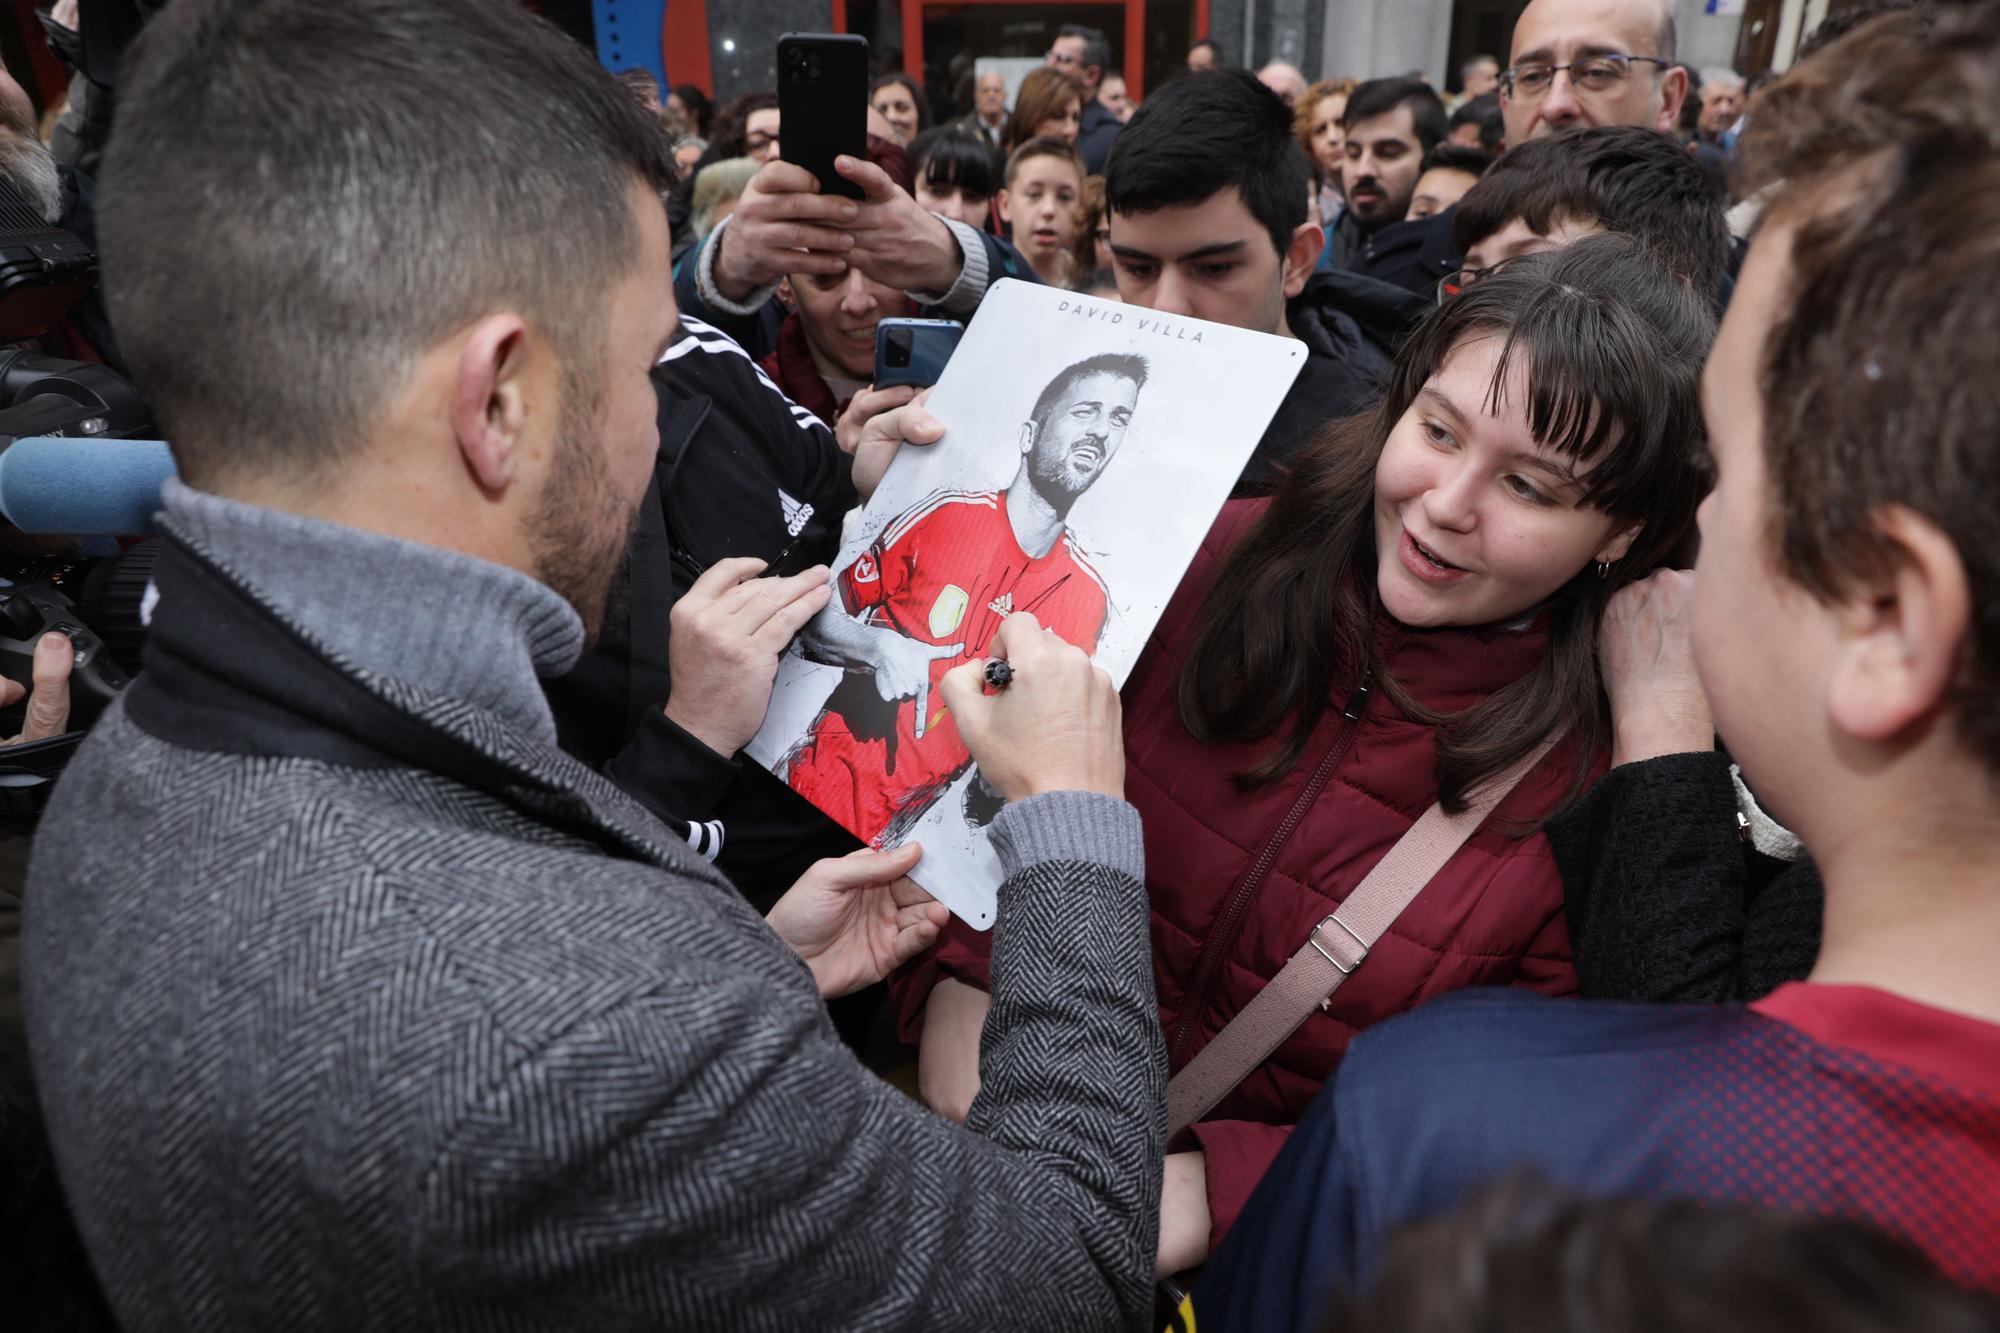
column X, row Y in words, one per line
column 1459, row 157
column 1626, row 178
column 1096, row 47
column 1206, row 132
column 1483, row 111
column 1380, row 97
column 1122, row 364
column 295, row 206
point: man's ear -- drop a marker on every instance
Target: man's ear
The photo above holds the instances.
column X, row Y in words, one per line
column 1000, row 202
column 786, row 293
column 1302, row 256
column 1902, row 634
column 1027, row 438
column 1618, row 543
column 488, row 402
column 1673, row 92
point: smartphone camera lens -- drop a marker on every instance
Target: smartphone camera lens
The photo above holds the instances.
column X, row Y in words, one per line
column 897, row 353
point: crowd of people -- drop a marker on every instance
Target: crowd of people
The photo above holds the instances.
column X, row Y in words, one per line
column 1539, row 874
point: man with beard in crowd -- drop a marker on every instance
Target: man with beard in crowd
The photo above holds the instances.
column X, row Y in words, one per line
column 935, row 584
column 1389, row 127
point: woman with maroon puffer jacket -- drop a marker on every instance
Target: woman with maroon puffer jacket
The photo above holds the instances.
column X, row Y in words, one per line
column 1413, row 612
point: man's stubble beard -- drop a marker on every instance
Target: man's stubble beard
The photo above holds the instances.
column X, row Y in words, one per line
column 579, row 547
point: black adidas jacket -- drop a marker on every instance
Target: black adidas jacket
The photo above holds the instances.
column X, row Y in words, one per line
column 742, row 470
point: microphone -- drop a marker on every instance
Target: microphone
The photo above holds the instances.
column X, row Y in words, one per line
column 83, row 486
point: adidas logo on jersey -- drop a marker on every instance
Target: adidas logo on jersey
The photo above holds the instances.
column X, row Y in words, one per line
column 797, row 514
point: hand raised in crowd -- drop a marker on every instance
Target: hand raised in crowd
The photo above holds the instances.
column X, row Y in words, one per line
column 876, row 424
column 897, row 241
column 1646, row 656
column 857, row 918
column 1055, row 727
column 48, row 701
column 728, row 632
column 782, row 224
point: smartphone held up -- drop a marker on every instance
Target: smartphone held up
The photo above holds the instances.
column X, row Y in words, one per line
column 823, row 104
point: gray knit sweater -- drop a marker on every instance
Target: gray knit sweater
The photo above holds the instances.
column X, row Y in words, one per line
column 345, row 1045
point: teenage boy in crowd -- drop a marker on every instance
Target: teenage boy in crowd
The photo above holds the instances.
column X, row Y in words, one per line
column 1842, row 623
column 1206, row 193
column 1085, row 54
column 1573, row 62
column 354, row 1003
column 1586, row 180
column 1388, row 127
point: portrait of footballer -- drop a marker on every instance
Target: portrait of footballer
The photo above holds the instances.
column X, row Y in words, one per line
column 930, row 593
column 1084, row 457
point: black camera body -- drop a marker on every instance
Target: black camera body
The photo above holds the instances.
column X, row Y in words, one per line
column 26, row 614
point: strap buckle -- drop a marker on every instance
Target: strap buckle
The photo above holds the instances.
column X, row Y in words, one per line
column 1359, row 950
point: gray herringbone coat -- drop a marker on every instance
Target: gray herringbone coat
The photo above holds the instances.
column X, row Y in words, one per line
column 345, row 1045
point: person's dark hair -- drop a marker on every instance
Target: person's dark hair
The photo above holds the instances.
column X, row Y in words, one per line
column 1611, row 349
column 1379, row 97
column 1877, row 382
column 1096, row 47
column 894, row 159
column 947, row 156
column 1524, row 1257
column 1853, row 15
column 1042, row 95
column 732, row 123
column 1210, row 131
column 1626, row 178
column 318, row 151
column 641, row 83
column 1122, row 364
column 699, row 108
column 916, row 91
column 1046, row 146
column 1483, row 111
column 1457, row 157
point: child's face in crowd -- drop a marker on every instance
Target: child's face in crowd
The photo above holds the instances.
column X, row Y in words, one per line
column 840, row 314
column 1212, row 260
column 1042, row 204
column 953, row 201
column 1475, row 521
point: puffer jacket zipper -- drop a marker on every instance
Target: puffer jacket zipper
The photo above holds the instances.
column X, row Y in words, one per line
column 1222, row 938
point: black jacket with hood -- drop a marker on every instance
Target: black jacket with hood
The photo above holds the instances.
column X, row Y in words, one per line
column 1350, row 326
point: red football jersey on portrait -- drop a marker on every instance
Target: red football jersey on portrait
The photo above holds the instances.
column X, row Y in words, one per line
column 944, row 573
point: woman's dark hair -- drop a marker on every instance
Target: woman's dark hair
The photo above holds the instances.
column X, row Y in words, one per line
column 1041, row 96
column 1612, row 347
column 701, row 111
column 948, row 157
column 732, row 124
column 916, row 91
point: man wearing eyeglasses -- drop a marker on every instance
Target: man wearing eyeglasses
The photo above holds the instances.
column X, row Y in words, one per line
column 1574, row 62
column 1591, row 62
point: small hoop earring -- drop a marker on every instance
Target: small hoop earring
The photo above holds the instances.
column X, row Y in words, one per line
column 1603, row 569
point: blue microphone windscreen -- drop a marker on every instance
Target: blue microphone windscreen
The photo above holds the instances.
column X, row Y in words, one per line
column 83, row 487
